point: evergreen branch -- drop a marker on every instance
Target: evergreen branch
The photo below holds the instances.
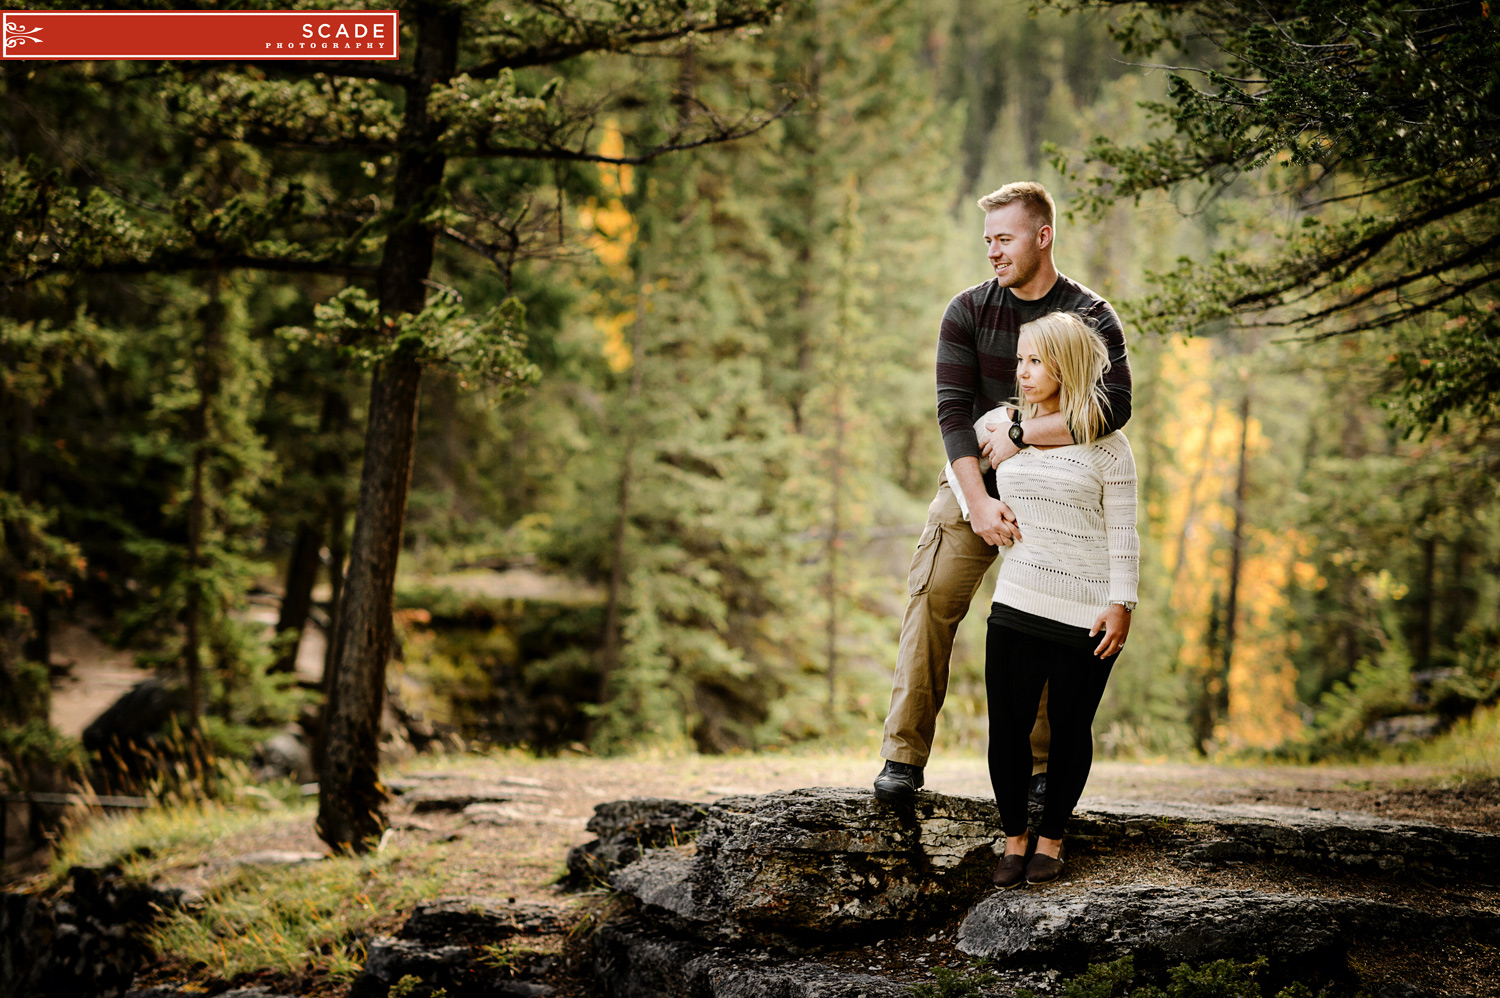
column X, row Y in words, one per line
column 605, row 36
column 1473, row 255
column 1407, row 310
column 1339, row 265
column 344, row 70
column 583, row 155
column 180, row 263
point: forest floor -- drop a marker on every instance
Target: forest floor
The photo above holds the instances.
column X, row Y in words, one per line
column 517, row 849
column 520, row 850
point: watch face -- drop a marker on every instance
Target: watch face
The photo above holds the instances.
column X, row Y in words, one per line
column 1016, row 433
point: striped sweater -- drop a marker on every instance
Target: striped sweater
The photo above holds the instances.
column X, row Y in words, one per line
column 1079, row 552
column 976, row 354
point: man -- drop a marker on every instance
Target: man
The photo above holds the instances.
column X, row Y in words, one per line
column 976, row 367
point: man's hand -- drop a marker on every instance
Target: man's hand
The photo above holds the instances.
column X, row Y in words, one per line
column 993, row 521
column 1115, row 623
column 998, row 448
column 998, row 444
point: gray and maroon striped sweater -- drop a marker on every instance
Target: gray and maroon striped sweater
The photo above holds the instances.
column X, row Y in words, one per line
column 976, row 354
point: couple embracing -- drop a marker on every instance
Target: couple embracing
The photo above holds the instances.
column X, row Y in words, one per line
column 1050, row 478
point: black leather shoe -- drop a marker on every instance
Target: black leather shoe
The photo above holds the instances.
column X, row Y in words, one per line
column 1010, row 871
column 1043, row 869
column 898, row 782
column 1037, row 792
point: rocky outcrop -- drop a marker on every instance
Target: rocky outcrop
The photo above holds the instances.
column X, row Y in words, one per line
column 822, row 862
column 830, row 871
column 161, row 991
column 634, row 960
column 477, row 919
column 1171, row 925
column 1360, row 843
column 836, row 861
column 443, row 943
column 626, row 828
column 81, row 941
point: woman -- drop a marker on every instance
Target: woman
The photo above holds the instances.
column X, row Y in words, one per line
column 1065, row 592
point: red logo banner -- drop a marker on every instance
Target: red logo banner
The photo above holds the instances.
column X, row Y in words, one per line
column 200, row 34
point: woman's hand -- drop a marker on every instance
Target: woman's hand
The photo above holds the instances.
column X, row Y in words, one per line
column 1115, row 622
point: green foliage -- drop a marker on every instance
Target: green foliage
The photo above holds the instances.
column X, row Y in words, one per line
column 489, row 349
column 1217, row 979
column 34, row 755
column 312, row 915
column 1396, row 213
column 953, row 984
column 1378, row 687
column 411, row 986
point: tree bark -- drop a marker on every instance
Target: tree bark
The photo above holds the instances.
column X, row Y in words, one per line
column 338, row 553
column 810, row 144
column 835, row 543
column 609, row 658
column 1236, row 559
column 351, row 802
column 296, row 600
column 1429, row 602
column 302, row 568
column 208, row 379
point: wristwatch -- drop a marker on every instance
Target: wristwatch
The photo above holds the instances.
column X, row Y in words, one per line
column 1017, row 435
column 1129, row 605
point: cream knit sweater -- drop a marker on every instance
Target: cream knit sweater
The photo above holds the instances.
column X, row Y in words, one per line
column 1076, row 509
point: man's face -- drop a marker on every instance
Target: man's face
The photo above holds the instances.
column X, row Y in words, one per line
column 1014, row 244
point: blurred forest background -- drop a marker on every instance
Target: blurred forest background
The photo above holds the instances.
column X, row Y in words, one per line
column 676, row 433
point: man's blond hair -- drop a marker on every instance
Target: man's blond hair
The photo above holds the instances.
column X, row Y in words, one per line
column 1034, row 196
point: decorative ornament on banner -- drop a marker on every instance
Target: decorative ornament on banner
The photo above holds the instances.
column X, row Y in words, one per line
column 200, row 34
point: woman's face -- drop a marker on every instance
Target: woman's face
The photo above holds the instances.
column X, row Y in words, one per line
column 1038, row 386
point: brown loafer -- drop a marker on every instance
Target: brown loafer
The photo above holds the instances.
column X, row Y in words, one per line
column 1010, row 871
column 1043, row 869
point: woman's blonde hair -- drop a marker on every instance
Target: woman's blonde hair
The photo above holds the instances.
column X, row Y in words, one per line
column 1075, row 355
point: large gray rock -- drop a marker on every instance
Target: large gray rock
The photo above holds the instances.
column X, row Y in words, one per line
column 388, row 959
column 1343, row 840
column 440, row 944
column 625, row 828
column 825, row 862
column 821, row 861
column 632, row 960
column 82, row 940
column 1067, row 926
column 480, row 920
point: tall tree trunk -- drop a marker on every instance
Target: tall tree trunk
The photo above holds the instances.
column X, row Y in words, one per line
column 338, row 553
column 302, row 567
column 37, row 647
column 1201, row 714
column 1429, row 603
column 810, row 147
column 351, row 801
column 1236, row 560
column 296, row 600
column 1190, row 515
column 609, row 658
column 208, row 377
column 835, row 542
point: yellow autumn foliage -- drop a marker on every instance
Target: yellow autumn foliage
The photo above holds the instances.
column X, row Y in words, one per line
column 611, row 231
column 1197, row 521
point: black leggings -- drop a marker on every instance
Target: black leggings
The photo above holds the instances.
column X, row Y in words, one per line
column 1016, row 666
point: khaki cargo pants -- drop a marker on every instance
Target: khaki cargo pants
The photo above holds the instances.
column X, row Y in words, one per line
column 945, row 572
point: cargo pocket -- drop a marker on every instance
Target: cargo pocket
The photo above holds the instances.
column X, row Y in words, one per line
column 920, row 576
